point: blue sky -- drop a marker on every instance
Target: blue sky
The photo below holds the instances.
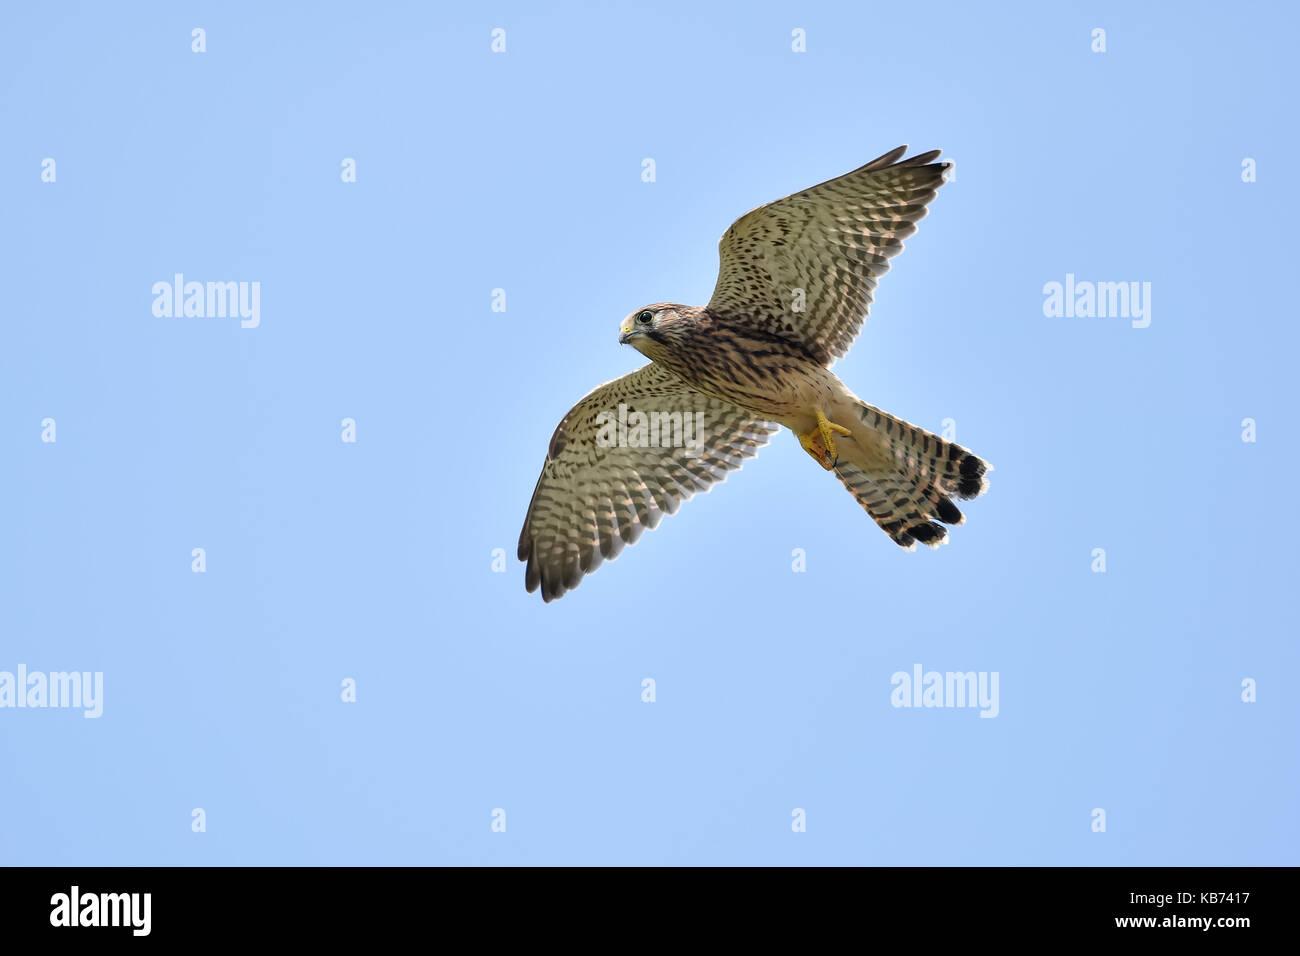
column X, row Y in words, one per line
column 372, row 561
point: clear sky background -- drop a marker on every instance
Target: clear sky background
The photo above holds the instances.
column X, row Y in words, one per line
column 373, row 560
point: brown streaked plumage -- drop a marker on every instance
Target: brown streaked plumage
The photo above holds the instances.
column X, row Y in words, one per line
column 795, row 283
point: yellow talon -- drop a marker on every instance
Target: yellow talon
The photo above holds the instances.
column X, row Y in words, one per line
column 820, row 443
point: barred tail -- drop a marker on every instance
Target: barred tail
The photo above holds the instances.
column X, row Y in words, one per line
column 904, row 476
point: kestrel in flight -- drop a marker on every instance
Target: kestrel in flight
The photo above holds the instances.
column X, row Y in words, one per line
column 796, row 280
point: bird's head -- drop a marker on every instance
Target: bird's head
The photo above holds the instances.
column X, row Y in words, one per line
column 651, row 328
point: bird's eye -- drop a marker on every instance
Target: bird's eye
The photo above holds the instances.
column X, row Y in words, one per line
column 645, row 317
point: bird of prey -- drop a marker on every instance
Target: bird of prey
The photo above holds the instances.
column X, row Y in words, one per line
column 796, row 280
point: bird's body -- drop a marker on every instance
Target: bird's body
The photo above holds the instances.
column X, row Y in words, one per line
column 796, row 281
column 755, row 370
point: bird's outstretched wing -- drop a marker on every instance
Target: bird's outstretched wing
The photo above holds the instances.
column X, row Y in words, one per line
column 601, row 487
column 833, row 242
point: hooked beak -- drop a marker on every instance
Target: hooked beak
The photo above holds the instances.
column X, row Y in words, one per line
column 627, row 333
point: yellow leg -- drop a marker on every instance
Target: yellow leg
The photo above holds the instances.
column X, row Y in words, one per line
column 820, row 442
